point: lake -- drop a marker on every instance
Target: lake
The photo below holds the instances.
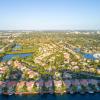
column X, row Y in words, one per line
column 89, row 56
column 95, row 96
column 11, row 56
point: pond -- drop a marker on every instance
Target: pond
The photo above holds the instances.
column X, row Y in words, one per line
column 85, row 55
column 89, row 56
column 8, row 57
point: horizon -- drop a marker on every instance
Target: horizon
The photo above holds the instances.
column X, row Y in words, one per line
column 49, row 15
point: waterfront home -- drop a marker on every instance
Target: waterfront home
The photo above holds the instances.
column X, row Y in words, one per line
column 73, row 87
column 91, row 88
column 20, row 85
column 11, row 87
column 94, row 84
column 2, row 85
column 78, row 85
column 58, row 85
column 84, row 85
column 84, row 82
column 39, row 84
column 76, row 82
column 98, row 86
column 92, row 81
column 67, row 83
column 73, row 82
column 29, row 86
column 48, row 84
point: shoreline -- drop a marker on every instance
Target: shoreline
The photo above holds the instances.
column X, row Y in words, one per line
column 56, row 92
column 26, row 88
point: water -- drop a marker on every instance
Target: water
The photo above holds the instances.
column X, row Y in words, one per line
column 53, row 97
column 85, row 55
column 89, row 56
column 11, row 56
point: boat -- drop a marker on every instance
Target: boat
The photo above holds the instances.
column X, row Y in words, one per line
column 10, row 93
column 90, row 92
column 71, row 92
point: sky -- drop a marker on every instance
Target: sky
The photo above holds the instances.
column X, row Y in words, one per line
column 49, row 14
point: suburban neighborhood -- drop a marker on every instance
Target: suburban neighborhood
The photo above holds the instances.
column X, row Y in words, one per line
column 44, row 62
